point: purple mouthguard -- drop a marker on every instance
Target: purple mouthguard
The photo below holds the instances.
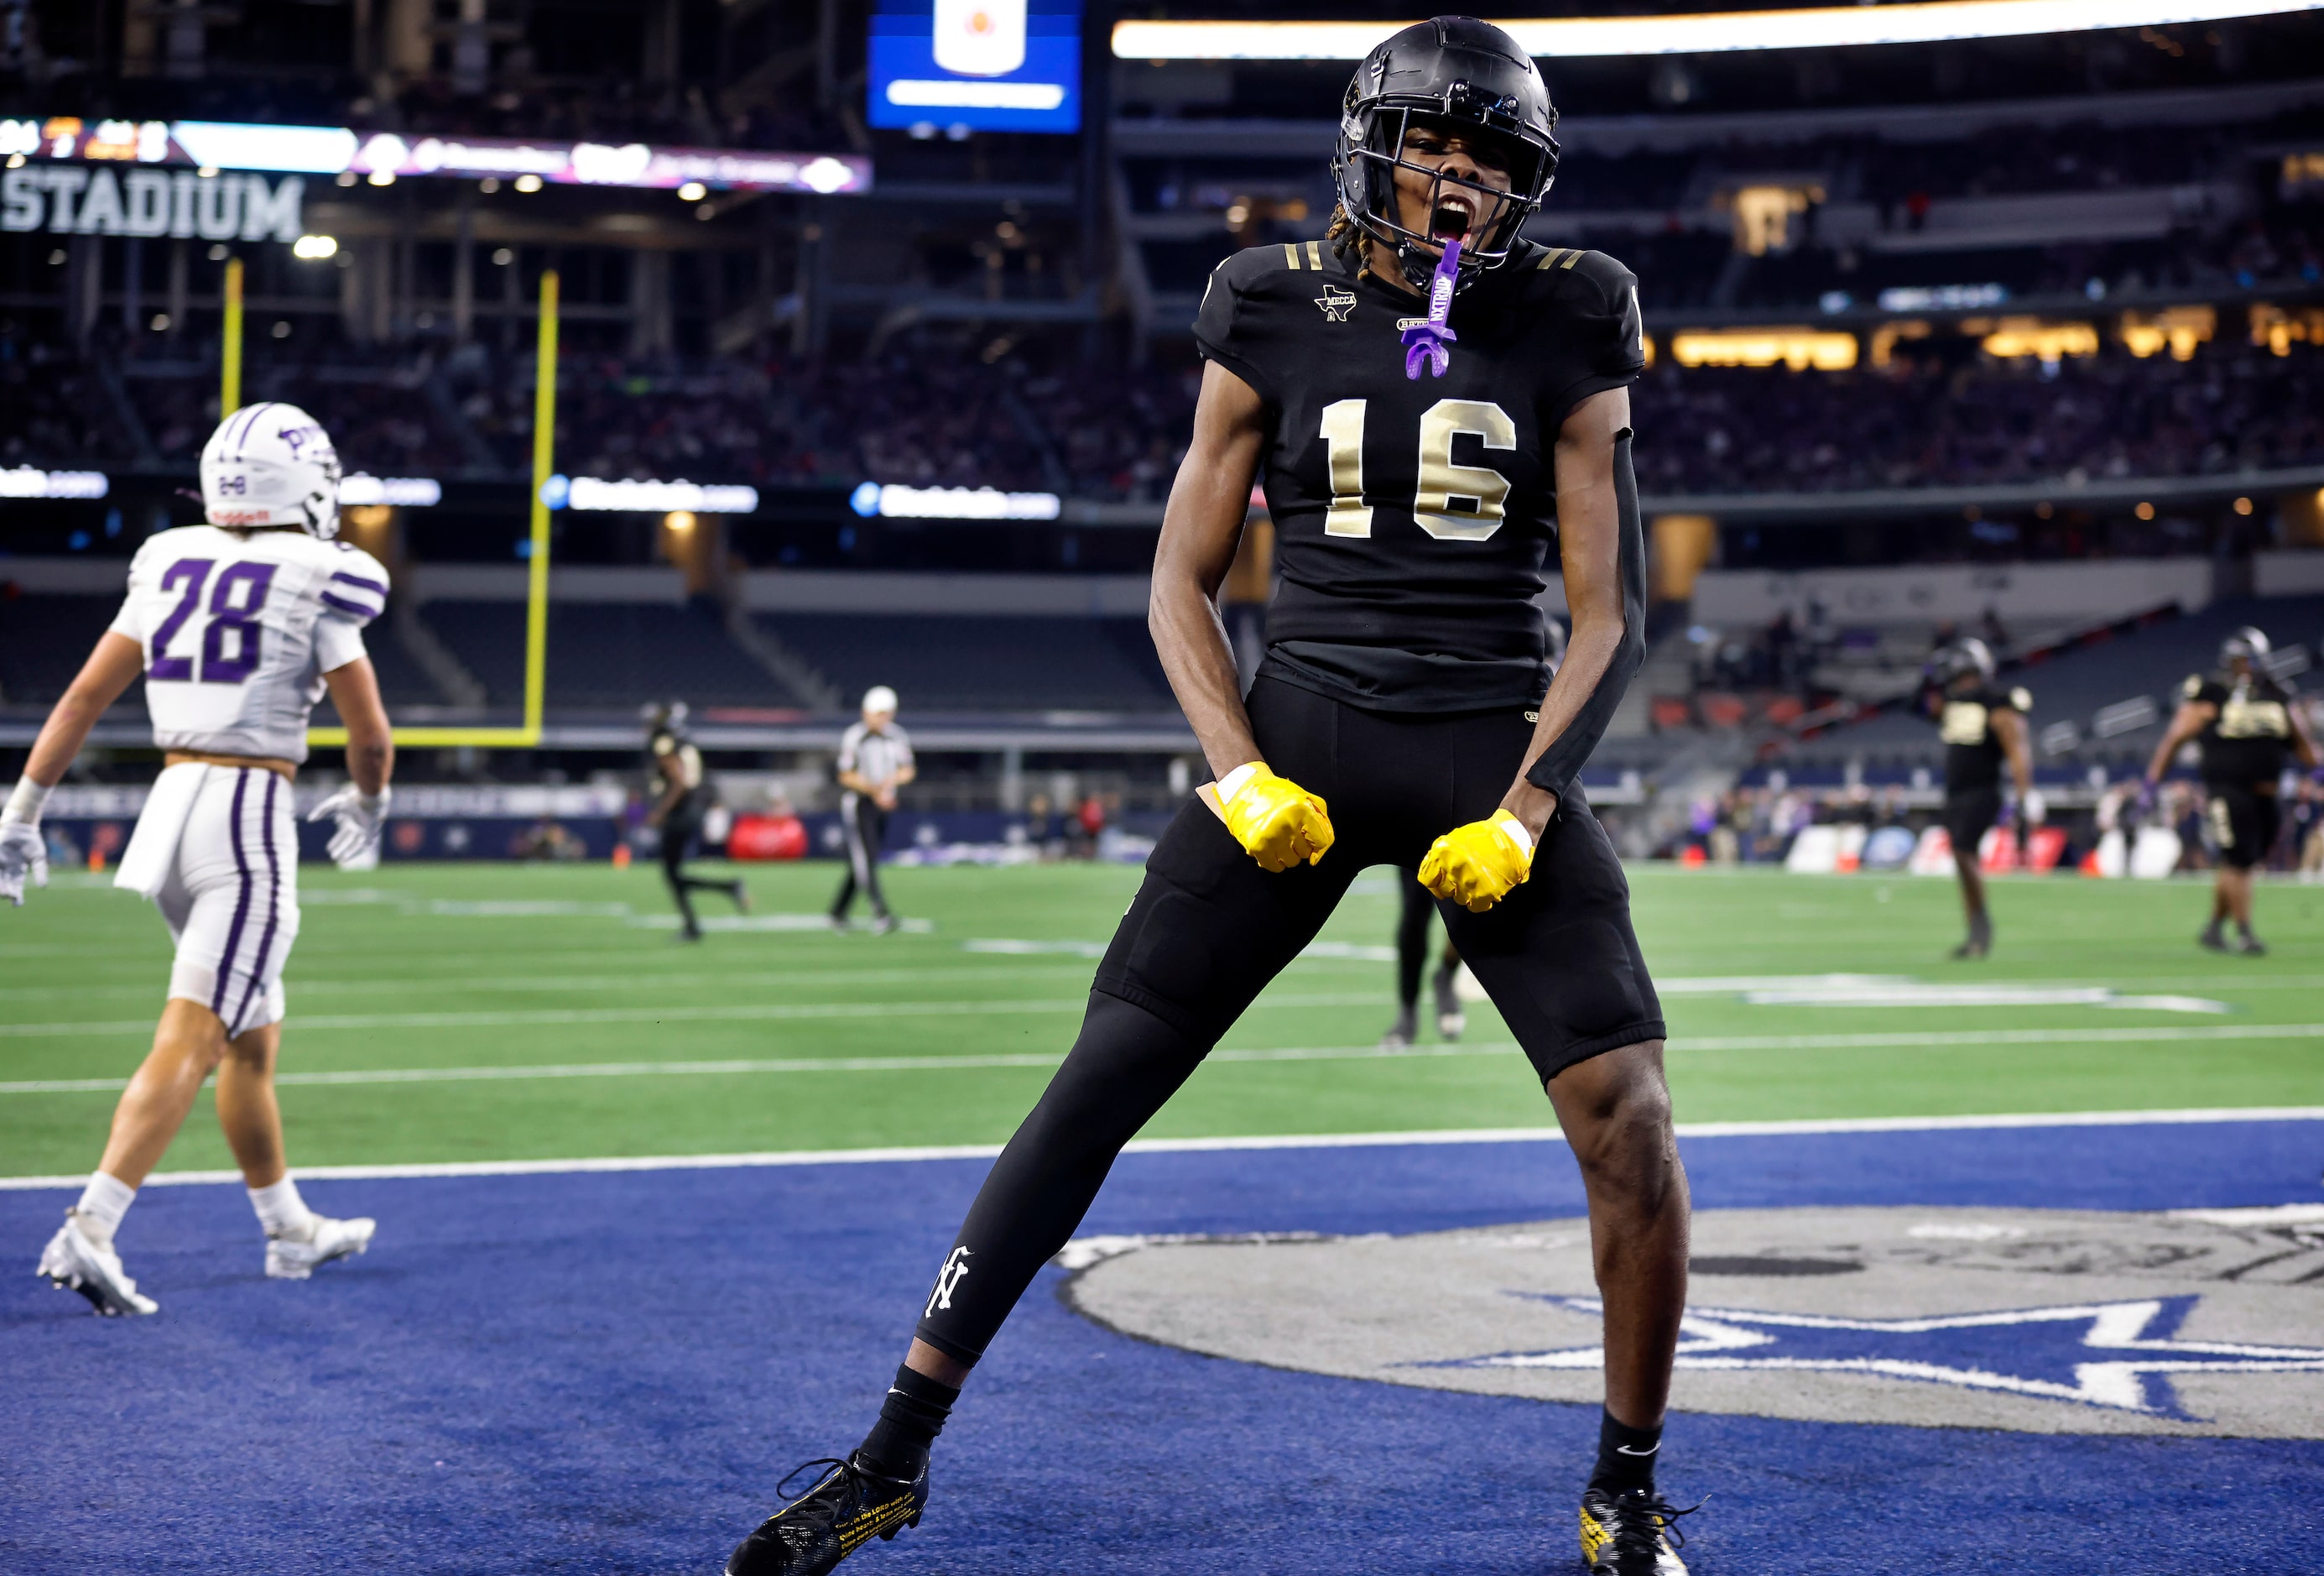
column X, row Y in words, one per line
column 1424, row 342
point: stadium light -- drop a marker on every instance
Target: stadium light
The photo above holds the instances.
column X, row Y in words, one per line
column 1820, row 27
column 315, row 248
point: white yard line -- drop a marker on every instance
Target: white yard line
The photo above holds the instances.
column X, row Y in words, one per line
column 2005, row 1122
column 744, row 1012
column 520, row 1072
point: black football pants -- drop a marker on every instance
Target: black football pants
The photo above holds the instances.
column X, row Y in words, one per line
column 865, row 825
column 1209, row 928
column 679, row 829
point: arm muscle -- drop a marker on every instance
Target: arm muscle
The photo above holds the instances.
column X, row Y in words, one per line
column 111, row 668
column 1201, row 527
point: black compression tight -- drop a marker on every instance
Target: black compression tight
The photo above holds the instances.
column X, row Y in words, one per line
column 1126, row 1064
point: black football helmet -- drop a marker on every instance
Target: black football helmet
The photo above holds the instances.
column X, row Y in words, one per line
column 664, row 717
column 2247, row 645
column 1966, row 658
column 1458, row 72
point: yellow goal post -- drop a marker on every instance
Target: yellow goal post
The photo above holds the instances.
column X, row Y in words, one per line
column 527, row 734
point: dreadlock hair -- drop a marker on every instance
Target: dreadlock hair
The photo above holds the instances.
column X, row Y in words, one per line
column 1346, row 239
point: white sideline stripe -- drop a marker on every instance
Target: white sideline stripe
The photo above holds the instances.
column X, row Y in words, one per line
column 780, row 1065
column 1802, row 1128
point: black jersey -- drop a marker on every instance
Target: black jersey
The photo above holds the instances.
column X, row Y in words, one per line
column 1414, row 518
column 1973, row 749
column 2250, row 740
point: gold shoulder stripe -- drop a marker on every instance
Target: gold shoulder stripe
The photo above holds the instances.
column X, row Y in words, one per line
column 1291, row 253
column 1571, row 258
column 1549, row 259
column 1315, row 255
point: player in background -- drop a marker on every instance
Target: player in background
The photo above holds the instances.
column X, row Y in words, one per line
column 239, row 627
column 1412, row 940
column 1981, row 725
column 1412, row 961
column 875, row 760
column 1399, row 717
column 2249, row 730
column 686, row 799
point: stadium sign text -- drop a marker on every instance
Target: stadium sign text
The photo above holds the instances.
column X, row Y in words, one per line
column 74, row 201
column 895, row 501
column 211, row 145
column 24, row 482
column 406, row 492
column 646, row 498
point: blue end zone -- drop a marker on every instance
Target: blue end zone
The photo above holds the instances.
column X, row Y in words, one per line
column 606, row 1373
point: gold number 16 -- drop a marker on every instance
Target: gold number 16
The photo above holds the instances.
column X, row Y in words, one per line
column 1453, row 503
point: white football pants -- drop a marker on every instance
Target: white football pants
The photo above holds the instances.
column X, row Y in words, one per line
column 231, row 896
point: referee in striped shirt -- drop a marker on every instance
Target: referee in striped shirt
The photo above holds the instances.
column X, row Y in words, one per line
column 875, row 759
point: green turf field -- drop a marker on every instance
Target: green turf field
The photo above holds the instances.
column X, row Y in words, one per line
column 544, row 1013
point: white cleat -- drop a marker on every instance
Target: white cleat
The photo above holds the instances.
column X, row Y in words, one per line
column 288, row 1259
column 77, row 1264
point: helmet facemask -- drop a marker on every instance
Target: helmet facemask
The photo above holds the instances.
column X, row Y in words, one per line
column 1485, row 218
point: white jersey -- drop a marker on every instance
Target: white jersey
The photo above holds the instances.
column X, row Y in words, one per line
column 239, row 628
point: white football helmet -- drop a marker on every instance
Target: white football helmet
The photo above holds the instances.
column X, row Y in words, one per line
column 272, row 464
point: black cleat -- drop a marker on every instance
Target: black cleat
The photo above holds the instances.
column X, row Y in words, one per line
column 1404, row 1032
column 1632, row 1533
column 2250, row 946
column 2213, row 938
column 848, row 1506
column 1979, row 942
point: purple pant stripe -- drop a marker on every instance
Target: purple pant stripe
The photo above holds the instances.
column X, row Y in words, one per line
column 242, row 904
column 273, row 907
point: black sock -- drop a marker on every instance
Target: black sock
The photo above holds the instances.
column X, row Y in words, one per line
column 1625, row 1456
column 911, row 1418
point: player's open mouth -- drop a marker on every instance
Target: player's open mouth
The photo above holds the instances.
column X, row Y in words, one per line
column 1450, row 218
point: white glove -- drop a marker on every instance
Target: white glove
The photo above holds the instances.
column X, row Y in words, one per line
column 362, row 817
column 22, row 851
column 2035, row 809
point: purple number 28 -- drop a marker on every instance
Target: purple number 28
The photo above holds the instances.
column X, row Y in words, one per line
column 230, row 615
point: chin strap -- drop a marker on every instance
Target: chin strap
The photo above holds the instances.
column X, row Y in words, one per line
column 1424, row 342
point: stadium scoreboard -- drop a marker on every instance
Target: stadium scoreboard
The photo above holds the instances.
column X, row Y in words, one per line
column 985, row 65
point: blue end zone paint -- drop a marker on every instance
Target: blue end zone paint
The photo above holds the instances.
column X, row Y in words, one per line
column 606, row 1373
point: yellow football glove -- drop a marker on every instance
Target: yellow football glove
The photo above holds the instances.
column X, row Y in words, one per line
column 1279, row 822
column 1477, row 865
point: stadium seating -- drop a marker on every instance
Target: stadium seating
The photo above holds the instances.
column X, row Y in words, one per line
column 949, row 663
column 1714, row 430
column 606, row 655
column 44, row 640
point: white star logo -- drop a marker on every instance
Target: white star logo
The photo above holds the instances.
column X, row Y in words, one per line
column 2113, row 1355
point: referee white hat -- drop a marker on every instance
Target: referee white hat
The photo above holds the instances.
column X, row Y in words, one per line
column 878, row 698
